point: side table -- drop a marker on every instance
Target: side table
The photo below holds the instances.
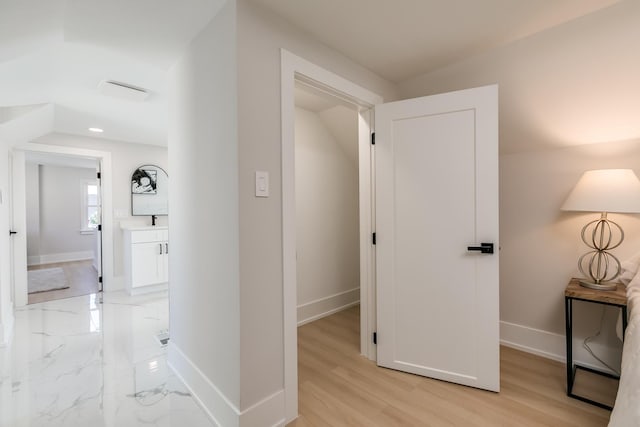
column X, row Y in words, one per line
column 574, row 291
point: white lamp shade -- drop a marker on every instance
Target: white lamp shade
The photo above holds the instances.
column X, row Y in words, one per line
column 605, row 190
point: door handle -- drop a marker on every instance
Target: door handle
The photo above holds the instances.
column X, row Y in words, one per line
column 11, row 232
column 485, row 248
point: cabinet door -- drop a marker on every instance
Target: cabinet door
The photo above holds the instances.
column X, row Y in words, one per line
column 164, row 274
column 146, row 263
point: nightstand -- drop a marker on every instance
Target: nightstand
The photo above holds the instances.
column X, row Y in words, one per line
column 616, row 298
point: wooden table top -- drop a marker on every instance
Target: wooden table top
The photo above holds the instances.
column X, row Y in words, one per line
column 617, row 296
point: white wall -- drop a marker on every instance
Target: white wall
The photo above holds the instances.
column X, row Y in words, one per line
column 126, row 157
column 203, row 201
column 32, row 187
column 327, row 221
column 53, row 232
column 572, row 85
column 261, row 35
column 226, row 279
column 541, row 244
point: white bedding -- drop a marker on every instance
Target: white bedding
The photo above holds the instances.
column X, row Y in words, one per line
column 626, row 411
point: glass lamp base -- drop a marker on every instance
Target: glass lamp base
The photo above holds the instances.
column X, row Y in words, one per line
column 599, row 286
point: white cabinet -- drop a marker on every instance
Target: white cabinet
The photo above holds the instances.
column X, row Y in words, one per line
column 146, row 263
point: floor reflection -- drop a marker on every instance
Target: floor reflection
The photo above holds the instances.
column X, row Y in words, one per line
column 86, row 362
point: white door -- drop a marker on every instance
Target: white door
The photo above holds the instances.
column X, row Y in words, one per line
column 19, row 225
column 437, row 195
column 98, row 249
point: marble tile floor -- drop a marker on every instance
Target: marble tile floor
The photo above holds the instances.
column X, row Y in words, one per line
column 79, row 362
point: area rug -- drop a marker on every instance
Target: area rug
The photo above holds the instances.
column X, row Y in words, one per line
column 47, row 279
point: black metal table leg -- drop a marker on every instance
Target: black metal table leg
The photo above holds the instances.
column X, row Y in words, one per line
column 569, row 333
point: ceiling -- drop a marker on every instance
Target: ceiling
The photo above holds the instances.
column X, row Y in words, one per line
column 339, row 117
column 58, row 51
column 385, row 35
column 60, row 160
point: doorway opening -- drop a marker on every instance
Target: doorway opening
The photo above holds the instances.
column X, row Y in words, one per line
column 296, row 70
column 62, row 226
column 81, row 205
column 327, row 208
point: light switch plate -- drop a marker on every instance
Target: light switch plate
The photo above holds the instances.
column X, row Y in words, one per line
column 262, row 184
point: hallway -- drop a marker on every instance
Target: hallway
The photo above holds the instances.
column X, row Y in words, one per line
column 77, row 362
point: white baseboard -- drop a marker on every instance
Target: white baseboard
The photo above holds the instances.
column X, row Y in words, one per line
column 208, row 396
column 61, row 257
column 553, row 346
column 148, row 289
column 327, row 306
column 268, row 412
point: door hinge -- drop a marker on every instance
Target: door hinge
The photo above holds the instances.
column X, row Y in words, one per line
column 98, row 175
column 373, row 237
column 99, row 227
column 373, row 138
column 100, row 279
column 375, row 338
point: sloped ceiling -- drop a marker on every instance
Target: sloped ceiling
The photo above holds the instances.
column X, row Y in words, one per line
column 340, row 118
column 399, row 39
column 58, row 51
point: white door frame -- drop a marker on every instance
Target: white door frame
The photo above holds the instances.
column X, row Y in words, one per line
column 18, row 206
column 295, row 68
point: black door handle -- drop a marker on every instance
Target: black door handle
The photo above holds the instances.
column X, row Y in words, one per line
column 11, row 232
column 485, row 248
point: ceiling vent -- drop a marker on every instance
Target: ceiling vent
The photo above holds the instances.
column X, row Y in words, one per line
column 123, row 91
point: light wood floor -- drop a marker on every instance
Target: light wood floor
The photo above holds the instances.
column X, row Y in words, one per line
column 82, row 277
column 338, row 387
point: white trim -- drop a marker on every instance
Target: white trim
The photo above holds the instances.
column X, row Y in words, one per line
column 534, row 341
column 84, row 205
column 366, row 182
column 326, row 306
column 552, row 346
column 61, row 257
column 105, row 166
column 327, row 313
column 292, row 68
column 201, row 388
column 19, row 211
column 141, row 290
column 267, row 411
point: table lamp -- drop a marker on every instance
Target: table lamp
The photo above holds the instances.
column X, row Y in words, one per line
column 604, row 191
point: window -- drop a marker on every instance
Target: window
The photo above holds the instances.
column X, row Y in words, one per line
column 90, row 214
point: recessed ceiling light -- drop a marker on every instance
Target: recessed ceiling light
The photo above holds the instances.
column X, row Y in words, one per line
column 97, row 130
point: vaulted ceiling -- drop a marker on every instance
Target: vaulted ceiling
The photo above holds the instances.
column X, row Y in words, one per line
column 58, row 51
column 399, row 39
